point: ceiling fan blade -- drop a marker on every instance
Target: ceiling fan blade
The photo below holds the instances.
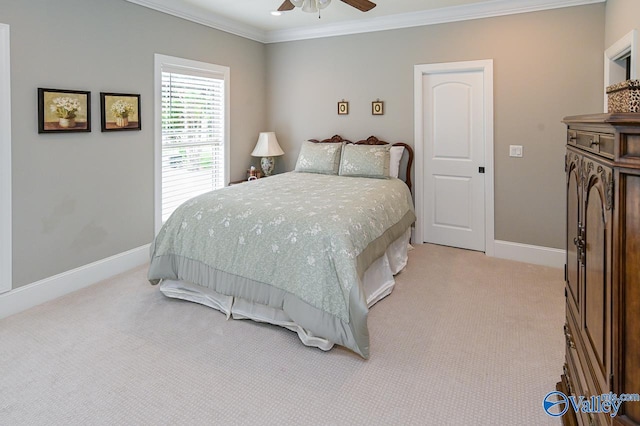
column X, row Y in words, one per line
column 363, row 5
column 286, row 5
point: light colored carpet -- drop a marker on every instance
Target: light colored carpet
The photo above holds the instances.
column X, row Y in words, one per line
column 463, row 340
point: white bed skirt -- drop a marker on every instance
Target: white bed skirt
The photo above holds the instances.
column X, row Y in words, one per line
column 378, row 282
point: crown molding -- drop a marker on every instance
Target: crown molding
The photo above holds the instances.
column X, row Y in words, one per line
column 404, row 20
column 209, row 19
column 427, row 17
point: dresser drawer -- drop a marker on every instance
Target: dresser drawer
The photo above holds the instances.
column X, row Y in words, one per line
column 601, row 143
column 578, row 384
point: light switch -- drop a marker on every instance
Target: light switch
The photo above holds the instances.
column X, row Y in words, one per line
column 515, row 150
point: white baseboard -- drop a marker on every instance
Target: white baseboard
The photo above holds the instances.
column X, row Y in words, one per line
column 33, row 294
column 51, row 288
column 538, row 255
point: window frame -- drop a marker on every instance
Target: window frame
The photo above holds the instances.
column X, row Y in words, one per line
column 174, row 63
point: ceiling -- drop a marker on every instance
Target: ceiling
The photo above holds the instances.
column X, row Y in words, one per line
column 252, row 18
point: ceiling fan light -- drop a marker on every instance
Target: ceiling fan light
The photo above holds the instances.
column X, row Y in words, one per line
column 323, row 3
column 309, row 6
column 297, row 3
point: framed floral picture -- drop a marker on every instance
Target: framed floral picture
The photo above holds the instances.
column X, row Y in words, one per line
column 63, row 111
column 120, row 111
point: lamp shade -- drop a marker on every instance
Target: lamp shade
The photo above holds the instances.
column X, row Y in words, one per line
column 267, row 146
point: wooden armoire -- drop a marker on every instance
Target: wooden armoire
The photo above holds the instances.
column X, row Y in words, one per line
column 602, row 273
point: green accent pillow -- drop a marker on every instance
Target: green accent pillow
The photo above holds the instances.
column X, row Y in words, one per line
column 319, row 158
column 365, row 161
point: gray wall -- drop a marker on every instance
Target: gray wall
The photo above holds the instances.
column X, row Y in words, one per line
column 547, row 65
column 622, row 16
column 81, row 197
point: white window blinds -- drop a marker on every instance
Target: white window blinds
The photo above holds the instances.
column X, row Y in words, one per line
column 193, row 135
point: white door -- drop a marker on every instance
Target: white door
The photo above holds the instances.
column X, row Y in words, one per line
column 454, row 159
column 5, row 161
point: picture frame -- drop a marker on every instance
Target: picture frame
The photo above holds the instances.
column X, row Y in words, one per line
column 120, row 111
column 63, row 111
column 377, row 107
column 343, row 108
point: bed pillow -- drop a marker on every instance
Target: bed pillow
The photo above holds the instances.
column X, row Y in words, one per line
column 365, row 161
column 395, row 158
column 319, row 158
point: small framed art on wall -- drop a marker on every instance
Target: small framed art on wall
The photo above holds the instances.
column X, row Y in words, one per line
column 64, row 110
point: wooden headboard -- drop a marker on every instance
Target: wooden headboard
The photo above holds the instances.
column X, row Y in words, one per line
column 372, row 140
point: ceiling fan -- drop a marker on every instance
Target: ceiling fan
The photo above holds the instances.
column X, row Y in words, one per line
column 316, row 5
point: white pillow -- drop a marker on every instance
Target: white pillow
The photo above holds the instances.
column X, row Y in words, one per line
column 394, row 163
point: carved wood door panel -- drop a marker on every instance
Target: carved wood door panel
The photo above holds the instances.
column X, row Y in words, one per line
column 596, row 326
column 574, row 235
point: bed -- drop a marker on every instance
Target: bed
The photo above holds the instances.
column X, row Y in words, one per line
column 310, row 250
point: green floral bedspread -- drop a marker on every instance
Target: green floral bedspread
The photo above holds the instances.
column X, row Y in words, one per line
column 299, row 232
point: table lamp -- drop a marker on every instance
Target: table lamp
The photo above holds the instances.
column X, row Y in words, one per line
column 267, row 147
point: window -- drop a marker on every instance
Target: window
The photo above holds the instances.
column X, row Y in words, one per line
column 192, row 121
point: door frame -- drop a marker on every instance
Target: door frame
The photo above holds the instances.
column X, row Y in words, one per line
column 613, row 72
column 486, row 66
column 5, row 160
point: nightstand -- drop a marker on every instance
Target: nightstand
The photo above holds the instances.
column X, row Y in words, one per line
column 235, row 182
